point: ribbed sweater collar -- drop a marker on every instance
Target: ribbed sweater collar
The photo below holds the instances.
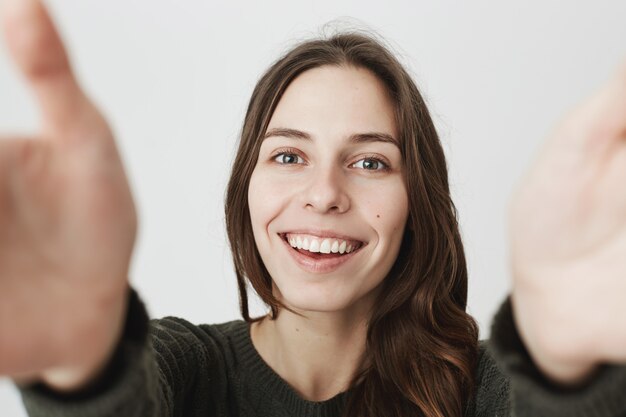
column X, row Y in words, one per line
column 268, row 383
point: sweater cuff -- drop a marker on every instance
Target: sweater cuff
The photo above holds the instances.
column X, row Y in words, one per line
column 114, row 389
column 603, row 395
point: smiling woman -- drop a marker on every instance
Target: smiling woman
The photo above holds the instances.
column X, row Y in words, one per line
column 328, row 195
column 340, row 105
column 339, row 215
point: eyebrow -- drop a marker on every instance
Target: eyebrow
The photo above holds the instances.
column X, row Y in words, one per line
column 354, row 138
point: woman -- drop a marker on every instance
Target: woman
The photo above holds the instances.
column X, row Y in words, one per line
column 338, row 213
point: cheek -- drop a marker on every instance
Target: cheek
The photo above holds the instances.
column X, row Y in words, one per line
column 388, row 209
column 265, row 198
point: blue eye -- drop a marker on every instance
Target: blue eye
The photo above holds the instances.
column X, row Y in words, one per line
column 286, row 158
column 371, row 164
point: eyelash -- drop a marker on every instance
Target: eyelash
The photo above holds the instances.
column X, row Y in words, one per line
column 294, row 152
column 288, row 151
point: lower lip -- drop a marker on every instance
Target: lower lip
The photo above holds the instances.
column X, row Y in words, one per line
column 318, row 266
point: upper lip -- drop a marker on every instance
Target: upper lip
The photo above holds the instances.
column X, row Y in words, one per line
column 323, row 234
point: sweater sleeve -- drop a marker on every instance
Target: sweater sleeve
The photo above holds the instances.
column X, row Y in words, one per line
column 153, row 370
column 531, row 394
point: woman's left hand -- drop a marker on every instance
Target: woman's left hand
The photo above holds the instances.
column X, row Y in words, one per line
column 567, row 225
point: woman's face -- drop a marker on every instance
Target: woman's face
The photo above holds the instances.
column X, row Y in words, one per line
column 329, row 181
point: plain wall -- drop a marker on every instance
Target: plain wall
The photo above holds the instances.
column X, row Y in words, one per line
column 174, row 78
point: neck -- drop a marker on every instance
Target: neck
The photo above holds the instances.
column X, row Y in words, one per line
column 318, row 354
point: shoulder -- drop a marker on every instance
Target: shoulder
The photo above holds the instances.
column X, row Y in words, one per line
column 176, row 339
column 492, row 384
column 172, row 326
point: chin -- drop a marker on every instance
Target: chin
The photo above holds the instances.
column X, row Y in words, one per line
column 318, row 298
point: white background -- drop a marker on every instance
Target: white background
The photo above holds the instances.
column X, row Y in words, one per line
column 174, row 78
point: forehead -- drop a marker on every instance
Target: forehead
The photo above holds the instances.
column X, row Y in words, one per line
column 336, row 100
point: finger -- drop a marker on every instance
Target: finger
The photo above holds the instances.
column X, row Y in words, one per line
column 39, row 53
column 22, row 157
column 607, row 109
column 18, row 152
column 8, row 150
column 598, row 125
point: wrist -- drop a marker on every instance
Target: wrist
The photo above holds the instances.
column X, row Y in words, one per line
column 564, row 374
column 90, row 352
column 563, row 352
column 68, row 380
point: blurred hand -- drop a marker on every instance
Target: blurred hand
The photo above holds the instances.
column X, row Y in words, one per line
column 568, row 241
column 67, row 220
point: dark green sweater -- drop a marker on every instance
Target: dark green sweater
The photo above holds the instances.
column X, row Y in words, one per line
column 183, row 369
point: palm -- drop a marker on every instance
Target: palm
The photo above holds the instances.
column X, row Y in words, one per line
column 568, row 234
column 57, row 197
column 67, row 219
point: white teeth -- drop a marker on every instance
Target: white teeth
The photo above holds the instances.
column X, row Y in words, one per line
column 342, row 247
column 315, row 246
column 325, row 246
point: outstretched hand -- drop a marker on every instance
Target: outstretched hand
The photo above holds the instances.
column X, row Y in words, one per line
column 67, row 219
column 568, row 241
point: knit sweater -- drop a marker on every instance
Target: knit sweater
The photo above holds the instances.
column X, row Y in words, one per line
column 170, row 367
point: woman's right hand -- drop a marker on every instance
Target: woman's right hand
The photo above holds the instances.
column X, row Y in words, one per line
column 67, row 221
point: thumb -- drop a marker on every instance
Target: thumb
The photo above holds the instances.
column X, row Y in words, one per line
column 598, row 125
column 39, row 53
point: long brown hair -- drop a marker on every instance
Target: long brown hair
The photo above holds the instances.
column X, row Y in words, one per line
column 422, row 346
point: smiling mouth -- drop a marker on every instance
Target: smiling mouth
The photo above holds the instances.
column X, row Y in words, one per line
column 321, row 248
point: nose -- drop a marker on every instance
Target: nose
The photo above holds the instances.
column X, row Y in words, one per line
column 324, row 191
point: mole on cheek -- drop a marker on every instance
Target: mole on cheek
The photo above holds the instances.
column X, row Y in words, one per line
column 378, row 216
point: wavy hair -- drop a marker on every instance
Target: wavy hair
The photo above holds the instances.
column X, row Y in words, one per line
column 421, row 347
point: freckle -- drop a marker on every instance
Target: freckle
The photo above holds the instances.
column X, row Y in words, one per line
column 297, row 330
column 378, row 216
